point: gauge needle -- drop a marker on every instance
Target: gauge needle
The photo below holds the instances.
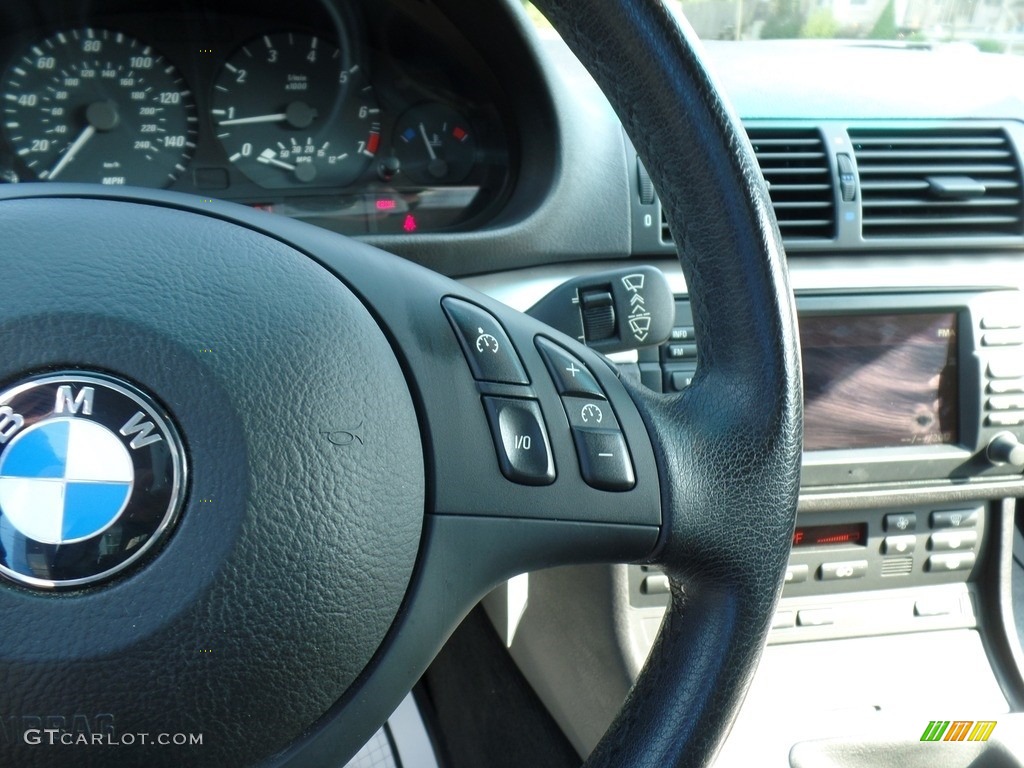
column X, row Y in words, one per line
column 69, row 155
column 267, row 158
column 277, row 118
column 430, row 149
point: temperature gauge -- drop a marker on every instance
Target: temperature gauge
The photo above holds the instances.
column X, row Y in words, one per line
column 434, row 144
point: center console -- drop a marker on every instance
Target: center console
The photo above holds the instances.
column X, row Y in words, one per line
column 915, row 397
column 914, row 424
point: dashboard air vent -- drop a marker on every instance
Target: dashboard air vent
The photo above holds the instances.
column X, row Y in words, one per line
column 796, row 167
column 942, row 182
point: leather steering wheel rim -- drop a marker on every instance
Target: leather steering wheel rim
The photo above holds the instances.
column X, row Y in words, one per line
column 717, row 466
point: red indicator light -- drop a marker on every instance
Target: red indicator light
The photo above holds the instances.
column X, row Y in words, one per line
column 385, row 205
column 460, row 133
column 409, row 225
column 372, row 143
column 268, row 207
column 830, row 535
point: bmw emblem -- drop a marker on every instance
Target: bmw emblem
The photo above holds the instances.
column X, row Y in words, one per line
column 92, row 477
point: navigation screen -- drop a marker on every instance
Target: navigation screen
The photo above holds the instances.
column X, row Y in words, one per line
column 879, row 381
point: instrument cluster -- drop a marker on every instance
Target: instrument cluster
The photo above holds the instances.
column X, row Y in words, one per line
column 359, row 120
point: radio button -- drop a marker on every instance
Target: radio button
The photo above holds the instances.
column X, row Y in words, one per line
column 680, row 380
column 1004, row 338
column 682, row 333
column 681, row 351
column 796, row 574
column 1006, row 368
column 1006, row 402
column 1001, row 320
column 1006, row 386
column 954, row 561
column 901, row 522
column 899, row 545
column 851, row 569
column 1005, row 419
column 951, row 541
column 956, row 518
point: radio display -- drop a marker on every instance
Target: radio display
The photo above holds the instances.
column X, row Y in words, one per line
column 830, row 535
column 879, row 380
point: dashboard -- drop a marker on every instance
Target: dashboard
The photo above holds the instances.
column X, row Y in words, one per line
column 360, row 118
column 897, row 176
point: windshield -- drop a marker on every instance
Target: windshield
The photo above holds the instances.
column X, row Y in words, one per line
column 991, row 26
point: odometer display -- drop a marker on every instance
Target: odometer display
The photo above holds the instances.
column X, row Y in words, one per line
column 98, row 106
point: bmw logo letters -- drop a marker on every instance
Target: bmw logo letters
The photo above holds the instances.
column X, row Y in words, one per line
column 92, row 475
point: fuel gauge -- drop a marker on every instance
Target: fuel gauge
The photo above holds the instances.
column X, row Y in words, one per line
column 434, row 145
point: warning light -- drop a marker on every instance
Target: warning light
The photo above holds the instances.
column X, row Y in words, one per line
column 267, row 207
column 385, row 205
column 460, row 133
column 409, row 225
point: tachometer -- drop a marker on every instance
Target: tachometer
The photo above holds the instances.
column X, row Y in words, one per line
column 289, row 112
column 98, row 106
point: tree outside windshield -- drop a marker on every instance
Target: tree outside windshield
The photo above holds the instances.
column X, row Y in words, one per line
column 991, row 26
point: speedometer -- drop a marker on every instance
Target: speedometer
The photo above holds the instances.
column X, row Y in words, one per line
column 98, row 106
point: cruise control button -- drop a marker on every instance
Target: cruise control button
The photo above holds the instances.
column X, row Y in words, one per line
column 948, row 541
column 571, row 376
column 899, row 545
column 953, row 561
column 851, row 569
column 604, row 459
column 520, row 440
column 487, row 347
column 956, row 518
column 589, row 414
column 900, row 522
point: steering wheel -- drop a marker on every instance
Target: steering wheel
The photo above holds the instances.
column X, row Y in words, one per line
column 359, row 465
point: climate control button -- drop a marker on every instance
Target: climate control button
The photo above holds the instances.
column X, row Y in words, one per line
column 952, row 561
column 851, row 569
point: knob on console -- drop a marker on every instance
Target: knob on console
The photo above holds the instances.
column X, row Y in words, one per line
column 1005, row 448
